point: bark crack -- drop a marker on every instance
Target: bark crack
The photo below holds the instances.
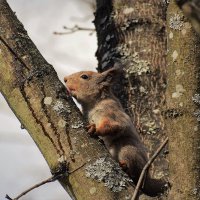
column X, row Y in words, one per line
column 37, row 120
column 61, row 149
column 70, row 144
column 14, row 54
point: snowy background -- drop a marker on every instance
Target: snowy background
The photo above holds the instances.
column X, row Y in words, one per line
column 21, row 163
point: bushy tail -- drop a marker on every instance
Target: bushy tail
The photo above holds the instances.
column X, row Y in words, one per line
column 153, row 187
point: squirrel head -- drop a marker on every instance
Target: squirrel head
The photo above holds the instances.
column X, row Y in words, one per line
column 88, row 86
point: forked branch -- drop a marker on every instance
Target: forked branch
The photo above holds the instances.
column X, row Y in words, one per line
column 74, row 29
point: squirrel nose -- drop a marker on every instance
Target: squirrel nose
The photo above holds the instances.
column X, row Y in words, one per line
column 65, row 79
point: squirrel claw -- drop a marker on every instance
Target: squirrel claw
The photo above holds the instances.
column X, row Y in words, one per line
column 123, row 165
column 91, row 129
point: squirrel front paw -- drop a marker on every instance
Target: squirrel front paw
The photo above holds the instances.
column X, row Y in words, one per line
column 91, row 129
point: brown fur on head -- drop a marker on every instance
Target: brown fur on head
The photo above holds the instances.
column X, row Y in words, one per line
column 88, row 86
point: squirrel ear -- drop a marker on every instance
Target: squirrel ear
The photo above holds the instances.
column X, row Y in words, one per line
column 109, row 76
column 113, row 73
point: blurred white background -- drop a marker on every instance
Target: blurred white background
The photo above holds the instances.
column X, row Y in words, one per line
column 22, row 165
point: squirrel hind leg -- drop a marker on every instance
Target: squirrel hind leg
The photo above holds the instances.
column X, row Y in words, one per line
column 133, row 162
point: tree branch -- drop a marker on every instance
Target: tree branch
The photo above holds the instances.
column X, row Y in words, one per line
column 75, row 29
column 32, row 89
column 51, row 179
column 56, row 176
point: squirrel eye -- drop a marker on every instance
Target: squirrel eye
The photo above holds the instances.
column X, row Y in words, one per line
column 84, row 76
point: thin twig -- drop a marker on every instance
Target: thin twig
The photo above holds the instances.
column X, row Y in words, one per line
column 71, row 172
column 51, row 179
column 74, row 29
column 146, row 168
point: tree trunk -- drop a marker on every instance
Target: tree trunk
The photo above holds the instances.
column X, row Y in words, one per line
column 182, row 115
column 39, row 100
column 191, row 9
column 133, row 32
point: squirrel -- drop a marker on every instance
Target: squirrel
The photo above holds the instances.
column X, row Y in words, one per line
column 108, row 120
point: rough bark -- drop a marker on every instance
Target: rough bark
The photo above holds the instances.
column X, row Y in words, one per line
column 133, row 32
column 182, row 124
column 33, row 91
column 191, row 9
